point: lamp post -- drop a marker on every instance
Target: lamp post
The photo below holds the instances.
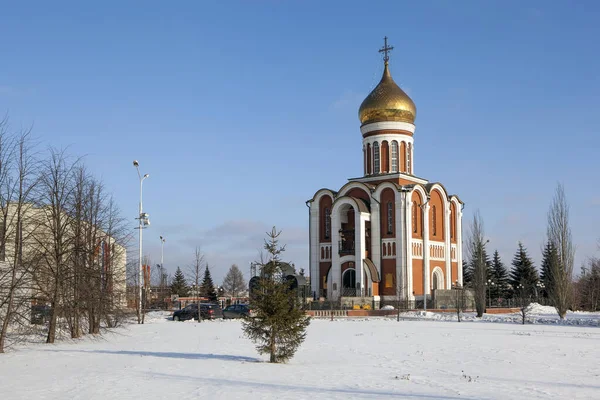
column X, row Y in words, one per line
column 162, row 267
column 489, row 285
column 539, row 288
column 143, row 221
column 162, row 245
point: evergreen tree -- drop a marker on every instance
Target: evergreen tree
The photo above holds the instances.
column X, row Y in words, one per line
column 549, row 256
column 499, row 277
column 179, row 286
column 467, row 274
column 480, row 267
column 523, row 272
column 278, row 326
column 207, row 287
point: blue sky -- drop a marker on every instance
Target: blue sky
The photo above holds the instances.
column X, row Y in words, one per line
column 240, row 111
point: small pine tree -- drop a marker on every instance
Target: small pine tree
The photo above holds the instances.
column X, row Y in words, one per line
column 549, row 256
column 499, row 277
column 523, row 272
column 279, row 325
column 179, row 285
column 207, row 287
column 481, row 266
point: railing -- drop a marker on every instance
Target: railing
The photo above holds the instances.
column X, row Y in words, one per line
column 346, row 247
column 351, row 292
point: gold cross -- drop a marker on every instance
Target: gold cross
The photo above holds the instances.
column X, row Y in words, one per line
column 385, row 50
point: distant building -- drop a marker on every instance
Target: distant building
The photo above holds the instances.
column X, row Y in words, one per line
column 388, row 234
column 106, row 261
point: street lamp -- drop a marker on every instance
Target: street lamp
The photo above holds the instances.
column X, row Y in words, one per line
column 162, row 244
column 539, row 287
column 489, row 285
column 143, row 222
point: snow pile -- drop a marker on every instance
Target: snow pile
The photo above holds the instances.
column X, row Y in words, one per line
column 535, row 308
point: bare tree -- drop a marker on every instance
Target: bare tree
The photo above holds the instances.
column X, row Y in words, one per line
column 17, row 181
column 234, row 283
column 54, row 242
column 196, row 274
column 524, row 296
column 560, row 291
column 477, row 257
column 401, row 298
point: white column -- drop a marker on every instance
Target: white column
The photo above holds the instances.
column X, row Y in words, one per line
column 447, row 246
column 313, row 228
column 333, row 287
column 359, row 248
column 408, row 244
column 375, row 255
column 459, row 244
column 426, row 285
column 399, row 240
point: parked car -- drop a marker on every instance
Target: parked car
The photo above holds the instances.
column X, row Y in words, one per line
column 40, row 314
column 236, row 311
column 210, row 311
column 188, row 312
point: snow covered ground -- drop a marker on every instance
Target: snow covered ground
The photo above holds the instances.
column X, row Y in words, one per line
column 344, row 359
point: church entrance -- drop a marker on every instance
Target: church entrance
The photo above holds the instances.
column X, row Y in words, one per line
column 438, row 279
column 349, row 283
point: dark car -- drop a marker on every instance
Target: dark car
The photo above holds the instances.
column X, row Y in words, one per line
column 188, row 312
column 236, row 311
column 210, row 311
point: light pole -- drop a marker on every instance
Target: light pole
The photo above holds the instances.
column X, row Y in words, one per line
column 143, row 221
column 162, row 267
column 539, row 288
column 489, row 285
column 162, row 245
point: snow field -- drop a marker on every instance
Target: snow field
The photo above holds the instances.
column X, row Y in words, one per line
column 341, row 359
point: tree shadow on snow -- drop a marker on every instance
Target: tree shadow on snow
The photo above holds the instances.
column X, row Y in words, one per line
column 307, row 389
column 188, row 356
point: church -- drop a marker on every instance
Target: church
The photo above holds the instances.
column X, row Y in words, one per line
column 389, row 234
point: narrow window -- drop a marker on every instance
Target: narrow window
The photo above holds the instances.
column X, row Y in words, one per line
column 414, row 217
column 327, row 223
column 376, row 168
column 451, row 223
column 394, row 156
column 390, row 212
column 434, row 221
column 389, row 280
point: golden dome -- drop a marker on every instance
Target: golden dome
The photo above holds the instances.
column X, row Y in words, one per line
column 387, row 102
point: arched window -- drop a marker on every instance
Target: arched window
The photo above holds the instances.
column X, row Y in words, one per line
column 327, row 223
column 451, row 223
column 434, row 221
column 376, row 168
column 394, row 156
column 409, row 159
column 414, row 216
column 369, row 159
column 390, row 214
